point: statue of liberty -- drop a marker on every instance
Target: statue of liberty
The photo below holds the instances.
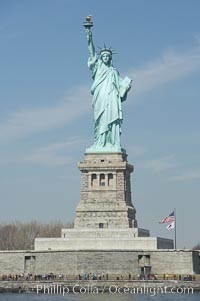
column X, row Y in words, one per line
column 109, row 90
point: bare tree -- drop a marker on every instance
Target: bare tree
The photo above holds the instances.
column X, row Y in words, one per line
column 21, row 235
column 197, row 246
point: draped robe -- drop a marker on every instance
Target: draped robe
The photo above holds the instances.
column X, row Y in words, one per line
column 106, row 103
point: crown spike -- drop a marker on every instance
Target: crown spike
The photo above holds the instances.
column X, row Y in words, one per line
column 105, row 49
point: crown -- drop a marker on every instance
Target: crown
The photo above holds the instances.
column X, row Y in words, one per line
column 105, row 49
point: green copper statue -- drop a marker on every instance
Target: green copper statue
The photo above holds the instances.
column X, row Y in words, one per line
column 109, row 90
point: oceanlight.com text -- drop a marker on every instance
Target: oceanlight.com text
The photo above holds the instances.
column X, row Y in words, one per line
column 77, row 289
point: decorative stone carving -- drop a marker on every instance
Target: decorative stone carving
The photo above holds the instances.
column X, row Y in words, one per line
column 105, row 204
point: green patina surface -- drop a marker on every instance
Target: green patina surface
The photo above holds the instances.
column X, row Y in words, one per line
column 109, row 90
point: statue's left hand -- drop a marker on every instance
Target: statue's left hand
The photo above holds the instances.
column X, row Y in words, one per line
column 130, row 85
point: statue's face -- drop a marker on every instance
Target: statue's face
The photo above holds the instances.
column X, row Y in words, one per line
column 106, row 58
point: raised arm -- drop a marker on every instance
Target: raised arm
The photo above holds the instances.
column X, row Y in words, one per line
column 90, row 43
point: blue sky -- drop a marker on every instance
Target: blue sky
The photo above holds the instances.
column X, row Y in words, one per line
column 46, row 115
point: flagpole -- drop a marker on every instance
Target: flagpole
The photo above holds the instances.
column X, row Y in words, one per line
column 175, row 228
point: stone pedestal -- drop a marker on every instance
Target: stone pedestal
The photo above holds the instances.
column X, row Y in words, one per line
column 105, row 216
column 105, row 200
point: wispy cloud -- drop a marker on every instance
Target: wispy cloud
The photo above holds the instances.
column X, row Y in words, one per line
column 46, row 158
column 197, row 39
column 28, row 121
column 53, row 154
column 160, row 164
column 136, row 150
column 169, row 67
column 186, row 176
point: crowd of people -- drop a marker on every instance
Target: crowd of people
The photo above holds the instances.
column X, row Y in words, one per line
column 35, row 277
column 93, row 276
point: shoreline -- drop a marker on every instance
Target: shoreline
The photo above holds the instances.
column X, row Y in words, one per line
column 94, row 286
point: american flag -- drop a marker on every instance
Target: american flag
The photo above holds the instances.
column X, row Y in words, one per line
column 169, row 218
